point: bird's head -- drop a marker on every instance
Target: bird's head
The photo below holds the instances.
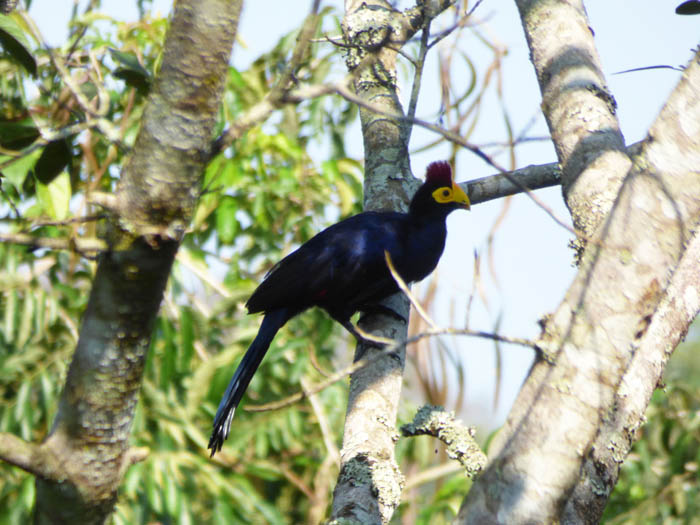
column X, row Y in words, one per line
column 439, row 193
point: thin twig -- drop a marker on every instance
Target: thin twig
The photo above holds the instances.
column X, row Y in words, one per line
column 276, row 96
column 461, row 22
column 47, row 135
column 18, row 215
column 645, row 68
column 200, row 269
column 323, row 423
column 417, row 80
column 431, row 474
column 344, row 372
column 407, row 292
column 82, row 246
column 98, row 113
column 65, row 222
column 471, row 11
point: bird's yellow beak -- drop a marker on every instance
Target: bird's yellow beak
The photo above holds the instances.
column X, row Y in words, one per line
column 459, row 196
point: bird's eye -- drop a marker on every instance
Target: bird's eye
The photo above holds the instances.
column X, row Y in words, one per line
column 443, row 195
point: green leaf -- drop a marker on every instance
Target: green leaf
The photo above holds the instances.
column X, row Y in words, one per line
column 134, row 79
column 53, row 159
column 17, row 172
column 169, row 354
column 226, row 222
column 186, row 339
column 263, row 471
column 25, row 321
column 17, row 135
column 55, row 196
column 171, row 495
column 21, row 400
column 15, row 43
column 153, row 495
column 131, row 70
column 10, row 308
column 236, row 79
column 47, row 392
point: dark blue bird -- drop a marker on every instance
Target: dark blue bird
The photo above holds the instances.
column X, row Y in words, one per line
column 343, row 270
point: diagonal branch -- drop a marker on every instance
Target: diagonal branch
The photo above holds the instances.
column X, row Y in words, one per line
column 275, row 98
column 598, row 331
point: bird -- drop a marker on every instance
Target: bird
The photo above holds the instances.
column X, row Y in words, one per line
column 343, row 270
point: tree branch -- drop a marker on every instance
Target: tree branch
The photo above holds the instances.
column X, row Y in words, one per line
column 27, row 456
column 459, row 440
column 622, row 428
column 82, row 246
column 156, row 193
column 579, row 109
column 680, row 305
column 369, row 484
column 596, row 332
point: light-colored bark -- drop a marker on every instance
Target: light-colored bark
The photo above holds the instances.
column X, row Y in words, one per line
column 621, row 427
column 578, row 107
column 370, row 483
column 600, row 327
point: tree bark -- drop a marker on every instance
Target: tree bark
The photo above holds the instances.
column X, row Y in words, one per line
column 88, row 443
column 619, row 302
column 578, row 107
column 370, row 483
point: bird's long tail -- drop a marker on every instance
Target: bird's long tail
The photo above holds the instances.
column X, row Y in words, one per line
column 272, row 322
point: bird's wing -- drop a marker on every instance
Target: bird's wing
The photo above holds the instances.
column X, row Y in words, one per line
column 344, row 262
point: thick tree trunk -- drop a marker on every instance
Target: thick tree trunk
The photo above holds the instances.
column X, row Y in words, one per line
column 638, row 220
column 88, row 444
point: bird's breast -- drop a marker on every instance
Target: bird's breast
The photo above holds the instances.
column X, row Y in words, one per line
column 423, row 250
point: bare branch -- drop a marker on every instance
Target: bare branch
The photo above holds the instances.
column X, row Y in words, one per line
column 406, row 290
column 459, row 440
column 501, row 185
column 28, row 456
column 417, row 80
column 276, row 96
column 387, row 350
column 82, row 246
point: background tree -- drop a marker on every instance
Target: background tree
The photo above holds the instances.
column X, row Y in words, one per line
column 134, row 141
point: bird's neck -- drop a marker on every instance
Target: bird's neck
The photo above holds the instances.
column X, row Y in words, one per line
column 429, row 226
column 426, row 217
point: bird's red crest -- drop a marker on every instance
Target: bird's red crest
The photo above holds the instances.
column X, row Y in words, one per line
column 439, row 173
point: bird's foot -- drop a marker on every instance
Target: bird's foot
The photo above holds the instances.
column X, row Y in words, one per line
column 385, row 310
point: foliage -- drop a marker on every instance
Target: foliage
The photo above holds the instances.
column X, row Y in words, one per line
column 260, row 198
column 659, row 482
